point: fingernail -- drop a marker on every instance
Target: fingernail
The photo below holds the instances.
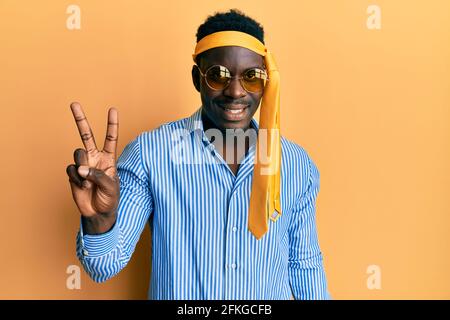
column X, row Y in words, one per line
column 83, row 171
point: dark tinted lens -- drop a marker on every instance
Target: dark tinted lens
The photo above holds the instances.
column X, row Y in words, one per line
column 254, row 80
column 218, row 77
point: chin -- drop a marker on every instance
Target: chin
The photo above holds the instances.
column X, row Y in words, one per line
column 235, row 125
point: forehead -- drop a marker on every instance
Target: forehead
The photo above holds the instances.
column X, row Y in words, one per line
column 234, row 58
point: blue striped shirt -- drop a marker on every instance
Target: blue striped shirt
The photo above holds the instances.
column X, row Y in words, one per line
column 173, row 178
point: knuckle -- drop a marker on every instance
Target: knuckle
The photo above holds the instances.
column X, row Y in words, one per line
column 86, row 136
column 110, row 137
column 97, row 174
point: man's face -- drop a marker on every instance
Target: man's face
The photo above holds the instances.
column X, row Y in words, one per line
column 216, row 103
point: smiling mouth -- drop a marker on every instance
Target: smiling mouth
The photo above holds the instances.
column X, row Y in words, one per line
column 234, row 112
column 234, row 108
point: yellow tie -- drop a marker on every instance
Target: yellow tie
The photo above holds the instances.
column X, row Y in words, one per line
column 265, row 194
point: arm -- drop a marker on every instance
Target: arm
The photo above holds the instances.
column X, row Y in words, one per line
column 306, row 272
column 104, row 255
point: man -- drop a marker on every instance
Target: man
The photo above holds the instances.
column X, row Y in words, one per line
column 221, row 228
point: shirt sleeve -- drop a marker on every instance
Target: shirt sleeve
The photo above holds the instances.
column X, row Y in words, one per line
column 306, row 273
column 104, row 255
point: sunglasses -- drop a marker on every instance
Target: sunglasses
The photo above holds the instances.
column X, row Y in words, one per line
column 218, row 77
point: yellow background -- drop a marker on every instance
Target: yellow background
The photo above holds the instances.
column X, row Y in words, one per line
column 370, row 106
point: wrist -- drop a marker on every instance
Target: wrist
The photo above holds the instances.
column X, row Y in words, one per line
column 98, row 224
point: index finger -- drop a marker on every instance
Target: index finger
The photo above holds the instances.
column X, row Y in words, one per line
column 112, row 133
column 83, row 127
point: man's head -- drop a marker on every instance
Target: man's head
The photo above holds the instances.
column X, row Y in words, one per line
column 238, row 61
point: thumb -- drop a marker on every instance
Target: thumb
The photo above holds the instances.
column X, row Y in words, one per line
column 98, row 177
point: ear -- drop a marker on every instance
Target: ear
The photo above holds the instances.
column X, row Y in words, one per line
column 196, row 77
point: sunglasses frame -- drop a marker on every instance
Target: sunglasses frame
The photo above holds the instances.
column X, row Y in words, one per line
column 231, row 78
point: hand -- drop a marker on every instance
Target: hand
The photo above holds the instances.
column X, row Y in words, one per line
column 93, row 178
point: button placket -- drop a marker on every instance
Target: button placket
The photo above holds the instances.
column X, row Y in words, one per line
column 231, row 258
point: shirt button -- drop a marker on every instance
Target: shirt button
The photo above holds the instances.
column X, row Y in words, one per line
column 85, row 252
column 233, row 266
column 234, row 229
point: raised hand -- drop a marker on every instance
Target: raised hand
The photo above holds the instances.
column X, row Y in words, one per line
column 93, row 178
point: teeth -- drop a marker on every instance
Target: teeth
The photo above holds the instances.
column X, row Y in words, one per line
column 234, row 111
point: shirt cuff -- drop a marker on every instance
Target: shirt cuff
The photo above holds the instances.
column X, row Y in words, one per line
column 99, row 244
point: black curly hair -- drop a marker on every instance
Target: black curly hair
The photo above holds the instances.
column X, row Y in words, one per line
column 234, row 20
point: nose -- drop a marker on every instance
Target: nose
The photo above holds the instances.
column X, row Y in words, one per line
column 235, row 89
